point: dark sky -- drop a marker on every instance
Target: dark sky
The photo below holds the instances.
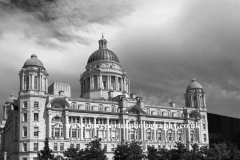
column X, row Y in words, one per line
column 163, row 45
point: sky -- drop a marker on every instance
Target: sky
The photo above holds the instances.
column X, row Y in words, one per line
column 162, row 44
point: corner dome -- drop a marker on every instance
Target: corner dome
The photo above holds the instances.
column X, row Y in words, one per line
column 11, row 99
column 103, row 54
column 194, row 85
column 33, row 61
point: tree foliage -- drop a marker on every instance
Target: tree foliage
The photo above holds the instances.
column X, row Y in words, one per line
column 221, row 151
column 129, row 151
column 93, row 151
column 46, row 153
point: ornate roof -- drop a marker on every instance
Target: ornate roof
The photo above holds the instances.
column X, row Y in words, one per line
column 33, row 61
column 11, row 99
column 103, row 55
column 194, row 85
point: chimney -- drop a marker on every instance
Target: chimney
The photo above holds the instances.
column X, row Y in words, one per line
column 172, row 104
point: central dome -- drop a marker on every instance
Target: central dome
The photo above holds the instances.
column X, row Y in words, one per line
column 33, row 61
column 103, row 54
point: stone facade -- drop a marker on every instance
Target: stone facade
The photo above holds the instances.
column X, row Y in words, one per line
column 42, row 112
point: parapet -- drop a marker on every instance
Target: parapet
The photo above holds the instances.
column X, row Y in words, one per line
column 59, row 88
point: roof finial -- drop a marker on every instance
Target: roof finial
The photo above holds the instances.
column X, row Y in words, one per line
column 102, row 36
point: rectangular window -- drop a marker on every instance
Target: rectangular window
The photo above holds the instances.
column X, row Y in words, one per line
column 25, row 104
column 61, row 146
column 191, row 137
column 24, row 117
column 24, row 158
column 74, row 133
column 159, row 136
column 204, row 137
column 35, row 116
column 149, row 135
column 35, row 147
column 72, row 145
column 112, row 147
column 36, row 104
column 57, row 132
column 159, row 147
column 24, row 131
column 204, row 126
column 55, row 146
column 105, row 147
column 24, row 147
column 35, row 132
column 78, row 146
column 170, row 136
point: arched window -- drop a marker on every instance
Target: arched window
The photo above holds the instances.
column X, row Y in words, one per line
column 148, row 111
column 203, row 117
column 100, row 108
column 35, row 82
column 192, row 136
column 159, row 112
column 164, row 113
column 57, row 105
column 180, row 134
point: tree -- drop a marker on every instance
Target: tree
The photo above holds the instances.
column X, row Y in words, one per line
column 71, row 153
column 129, row 151
column 153, row 154
column 46, row 153
column 93, row 151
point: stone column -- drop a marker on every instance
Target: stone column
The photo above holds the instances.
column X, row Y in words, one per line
column 31, row 81
column 141, row 130
column 144, row 131
column 154, row 132
column 175, row 136
column 81, row 133
column 66, row 126
column 46, row 85
column 108, row 82
column 116, row 83
column 123, row 129
column 49, row 124
column 94, row 127
column 127, row 138
column 124, row 84
column 107, row 129
column 129, row 86
column 101, row 82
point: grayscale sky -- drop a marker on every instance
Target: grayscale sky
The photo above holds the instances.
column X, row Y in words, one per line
column 163, row 45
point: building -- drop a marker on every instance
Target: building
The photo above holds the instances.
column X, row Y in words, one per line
column 226, row 129
column 43, row 111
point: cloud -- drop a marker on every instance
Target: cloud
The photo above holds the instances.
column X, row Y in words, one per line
column 46, row 20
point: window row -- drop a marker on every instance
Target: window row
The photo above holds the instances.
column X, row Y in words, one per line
column 35, row 147
column 35, row 104
column 165, row 113
column 25, row 117
column 88, row 107
column 35, row 131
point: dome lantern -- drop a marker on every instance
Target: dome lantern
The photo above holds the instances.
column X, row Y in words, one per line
column 102, row 43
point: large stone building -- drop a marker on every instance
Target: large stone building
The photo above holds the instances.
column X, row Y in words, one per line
column 42, row 111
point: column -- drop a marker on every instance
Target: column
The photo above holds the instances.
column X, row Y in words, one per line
column 31, row 81
column 108, row 82
column 46, row 85
column 154, row 132
column 121, row 81
column 144, row 132
column 94, row 127
column 123, row 129
column 116, row 83
column 66, row 126
column 49, row 124
column 199, row 131
column 141, row 130
column 124, row 84
column 129, row 86
column 127, row 130
column 98, row 81
column 101, row 82
column 175, row 136
column 107, row 129
column 81, row 133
